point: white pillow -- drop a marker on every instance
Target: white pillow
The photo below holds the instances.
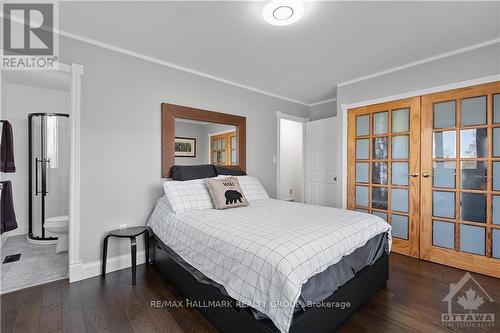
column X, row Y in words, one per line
column 187, row 195
column 251, row 187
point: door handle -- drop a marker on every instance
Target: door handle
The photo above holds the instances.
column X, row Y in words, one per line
column 426, row 174
column 414, row 174
column 46, row 166
column 37, row 192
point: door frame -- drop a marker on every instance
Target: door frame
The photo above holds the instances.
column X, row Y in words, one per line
column 74, row 264
column 279, row 116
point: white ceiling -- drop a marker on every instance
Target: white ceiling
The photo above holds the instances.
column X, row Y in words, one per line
column 334, row 42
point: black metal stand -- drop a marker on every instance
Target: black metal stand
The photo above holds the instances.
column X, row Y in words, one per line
column 130, row 233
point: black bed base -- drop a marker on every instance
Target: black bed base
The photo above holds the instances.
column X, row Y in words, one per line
column 237, row 319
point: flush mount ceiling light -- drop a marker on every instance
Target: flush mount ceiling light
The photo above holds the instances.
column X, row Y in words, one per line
column 283, row 12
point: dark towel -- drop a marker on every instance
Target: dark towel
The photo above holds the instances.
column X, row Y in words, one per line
column 7, row 215
column 7, row 149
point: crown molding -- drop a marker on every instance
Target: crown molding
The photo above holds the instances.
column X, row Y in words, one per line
column 423, row 61
column 324, row 101
column 172, row 65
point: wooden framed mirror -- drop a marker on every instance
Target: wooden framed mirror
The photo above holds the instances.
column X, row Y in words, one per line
column 203, row 137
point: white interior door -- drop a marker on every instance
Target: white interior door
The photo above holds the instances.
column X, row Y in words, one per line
column 321, row 162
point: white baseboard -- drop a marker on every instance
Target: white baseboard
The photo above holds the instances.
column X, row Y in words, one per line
column 15, row 232
column 82, row 271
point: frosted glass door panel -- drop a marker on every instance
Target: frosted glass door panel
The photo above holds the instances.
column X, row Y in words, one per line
column 444, row 114
column 400, row 120
column 363, row 125
column 362, row 172
column 363, row 149
column 472, row 239
column 380, row 214
column 400, row 226
column 474, row 111
column 362, row 196
column 400, row 173
column 443, row 204
column 444, row 174
column 400, row 147
column 443, row 234
column 399, row 199
column 496, row 108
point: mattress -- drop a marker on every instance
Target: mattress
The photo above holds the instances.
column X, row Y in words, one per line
column 264, row 254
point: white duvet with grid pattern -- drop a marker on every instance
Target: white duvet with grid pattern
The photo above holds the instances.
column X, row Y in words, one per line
column 263, row 253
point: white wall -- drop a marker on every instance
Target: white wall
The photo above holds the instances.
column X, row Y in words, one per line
column 121, row 141
column 19, row 100
column 469, row 65
column 291, row 160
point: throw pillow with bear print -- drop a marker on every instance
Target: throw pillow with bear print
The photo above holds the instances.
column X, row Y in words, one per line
column 226, row 193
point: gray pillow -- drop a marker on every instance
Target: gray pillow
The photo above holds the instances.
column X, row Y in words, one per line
column 226, row 193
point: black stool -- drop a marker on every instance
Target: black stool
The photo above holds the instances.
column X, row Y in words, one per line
column 130, row 233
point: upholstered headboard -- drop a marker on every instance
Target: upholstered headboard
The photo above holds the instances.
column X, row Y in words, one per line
column 189, row 172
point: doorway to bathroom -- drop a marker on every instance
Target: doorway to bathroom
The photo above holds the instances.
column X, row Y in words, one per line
column 37, row 105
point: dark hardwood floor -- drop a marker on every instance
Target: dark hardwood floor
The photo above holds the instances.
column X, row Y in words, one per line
column 412, row 302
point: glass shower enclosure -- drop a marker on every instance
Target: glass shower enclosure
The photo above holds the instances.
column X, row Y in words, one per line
column 48, row 171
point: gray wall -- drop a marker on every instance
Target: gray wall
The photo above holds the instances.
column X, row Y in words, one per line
column 199, row 132
column 461, row 67
column 464, row 66
column 120, row 128
column 321, row 111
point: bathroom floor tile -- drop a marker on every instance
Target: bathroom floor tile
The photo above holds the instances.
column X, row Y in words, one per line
column 38, row 264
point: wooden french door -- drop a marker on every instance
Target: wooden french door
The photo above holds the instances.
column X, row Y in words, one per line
column 430, row 166
column 460, row 190
column 223, row 149
column 384, row 167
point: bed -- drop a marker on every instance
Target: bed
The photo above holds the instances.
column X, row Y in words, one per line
column 273, row 266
